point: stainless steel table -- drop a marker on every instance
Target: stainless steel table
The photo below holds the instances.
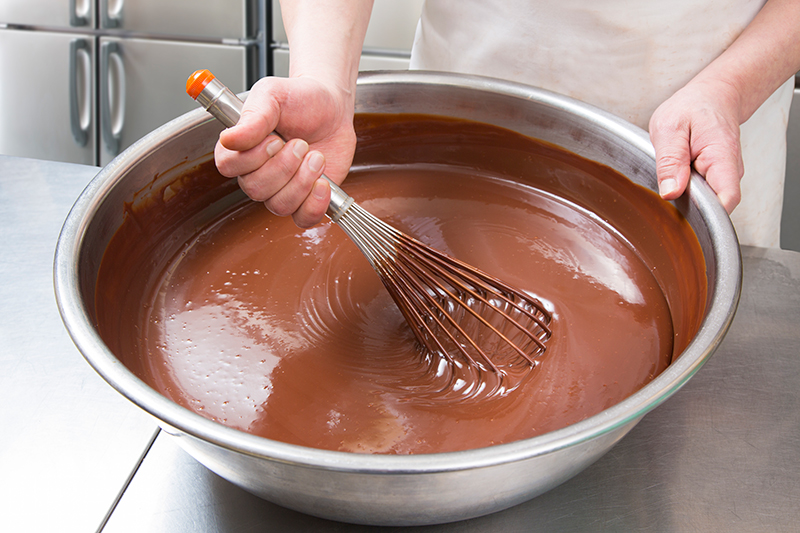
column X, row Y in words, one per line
column 723, row 454
column 68, row 442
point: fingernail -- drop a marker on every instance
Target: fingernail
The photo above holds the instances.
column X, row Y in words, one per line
column 300, row 149
column 667, row 186
column 315, row 162
column 274, row 147
column 320, row 189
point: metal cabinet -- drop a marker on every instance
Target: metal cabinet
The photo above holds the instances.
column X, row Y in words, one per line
column 84, row 79
column 225, row 19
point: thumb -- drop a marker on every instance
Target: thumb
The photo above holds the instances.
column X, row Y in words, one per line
column 258, row 120
column 673, row 162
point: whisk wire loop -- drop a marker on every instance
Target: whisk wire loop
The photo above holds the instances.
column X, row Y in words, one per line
column 441, row 297
column 457, row 273
column 377, row 241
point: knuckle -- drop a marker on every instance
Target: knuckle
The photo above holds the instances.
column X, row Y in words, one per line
column 306, row 218
column 279, row 206
column 670, row 164
column 285, row 166
column 224, row 163
column 253, row 188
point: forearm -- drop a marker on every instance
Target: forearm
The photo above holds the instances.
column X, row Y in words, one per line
column 325, row 38
column 765, row 55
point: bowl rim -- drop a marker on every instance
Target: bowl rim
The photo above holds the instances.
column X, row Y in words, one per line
column 175, row 419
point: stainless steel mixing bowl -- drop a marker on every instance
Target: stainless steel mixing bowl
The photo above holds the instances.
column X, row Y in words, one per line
column 398, row 490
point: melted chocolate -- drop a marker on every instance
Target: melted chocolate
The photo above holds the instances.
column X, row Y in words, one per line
column 289, row 334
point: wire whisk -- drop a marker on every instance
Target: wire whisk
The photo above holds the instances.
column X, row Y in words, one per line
column 452, row 308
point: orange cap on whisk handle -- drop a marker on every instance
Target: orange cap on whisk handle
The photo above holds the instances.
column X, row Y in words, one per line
column 214, row 96
column 197, row 82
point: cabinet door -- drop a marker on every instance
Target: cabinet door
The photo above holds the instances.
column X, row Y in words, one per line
column 59, row 13
column 142, row 84
column 214, row 19
column 47, row 92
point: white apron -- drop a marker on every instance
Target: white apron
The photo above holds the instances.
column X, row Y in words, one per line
column 625, row 57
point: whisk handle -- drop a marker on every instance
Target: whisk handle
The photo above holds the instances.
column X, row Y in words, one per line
column 226, row 107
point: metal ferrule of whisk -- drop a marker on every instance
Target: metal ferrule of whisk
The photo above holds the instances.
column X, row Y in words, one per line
column 220, row 101
column 451, row 307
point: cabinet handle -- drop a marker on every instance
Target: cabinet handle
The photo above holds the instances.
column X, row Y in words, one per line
column 76, row 18
column 111, row 13
column 112, row 95
column 79, row 126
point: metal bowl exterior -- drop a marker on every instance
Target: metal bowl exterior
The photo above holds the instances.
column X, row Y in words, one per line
column 423, row 495
column 400, row 490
